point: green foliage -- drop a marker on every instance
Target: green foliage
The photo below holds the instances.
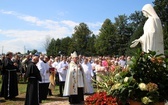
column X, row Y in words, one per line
column 64, row 47
column 136, row 19
column 147, row 76
column 137, row 22
column 136, row 35
column 145, row 79
column 108, row 81
column 124, row 31
column 90, row 50
column 121, row 22
column 54, row 47
column 148, row 67
column 33, row 51
column 161, row 8
column 106, row 39
column 80, row 38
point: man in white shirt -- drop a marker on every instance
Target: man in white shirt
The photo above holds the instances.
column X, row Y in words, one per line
column 55, row 65
column 122, row 61
column 89, row 74
column 56, row 62
column 43, row 67
column 62, row 70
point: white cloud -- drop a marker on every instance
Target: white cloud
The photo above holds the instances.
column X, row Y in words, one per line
column 34, row 39
column 7, row 12
column 29, row 18
column 69, row 23
column 49, row 24
column 93, row 25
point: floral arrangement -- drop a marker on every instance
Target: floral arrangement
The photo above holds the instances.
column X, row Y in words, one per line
column 101, row 98
column 145, row 80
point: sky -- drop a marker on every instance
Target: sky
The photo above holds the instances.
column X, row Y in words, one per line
column 26, row 24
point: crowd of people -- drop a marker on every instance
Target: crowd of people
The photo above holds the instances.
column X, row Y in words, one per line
column 74, row 74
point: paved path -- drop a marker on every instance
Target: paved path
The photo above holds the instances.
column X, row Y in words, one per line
column 51, row 100
column 65, row 103
column 62, row 101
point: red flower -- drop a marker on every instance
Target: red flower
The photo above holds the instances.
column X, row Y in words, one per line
column 101, row 98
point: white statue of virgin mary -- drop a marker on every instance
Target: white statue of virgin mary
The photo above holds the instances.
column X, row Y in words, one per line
column 152, row 38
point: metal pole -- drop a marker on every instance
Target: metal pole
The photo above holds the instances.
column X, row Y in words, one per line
column 24, row 49
column 2, row 49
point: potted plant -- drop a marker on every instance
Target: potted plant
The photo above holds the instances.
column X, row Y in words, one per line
column 103, row 96
column 145, row 81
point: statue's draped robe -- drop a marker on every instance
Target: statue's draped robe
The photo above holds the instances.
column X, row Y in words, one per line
column 152, row 39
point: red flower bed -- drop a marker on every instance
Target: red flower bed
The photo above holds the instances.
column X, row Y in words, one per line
column 101, row 98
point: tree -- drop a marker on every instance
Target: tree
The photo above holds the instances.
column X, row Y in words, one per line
column 47, row 42
column 137, row 33
column 34, row 51
column 90, row 49
column 51, row 47
column 137, row 21
column 80, row 38
column 124, row 31
column 161, row 8
column 105, row 41
column 64, row 48
column 54, row 47
column 57, row 47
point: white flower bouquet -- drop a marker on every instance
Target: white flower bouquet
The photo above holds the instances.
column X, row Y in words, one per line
column 145, row 80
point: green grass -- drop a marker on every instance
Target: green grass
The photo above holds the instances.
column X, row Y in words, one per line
column 20, row 99
column 21, row 86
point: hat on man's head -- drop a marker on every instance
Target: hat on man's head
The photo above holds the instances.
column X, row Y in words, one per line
column 8, row 53
column 74, row 54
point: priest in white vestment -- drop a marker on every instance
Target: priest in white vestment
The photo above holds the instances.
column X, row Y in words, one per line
column 75, row 83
